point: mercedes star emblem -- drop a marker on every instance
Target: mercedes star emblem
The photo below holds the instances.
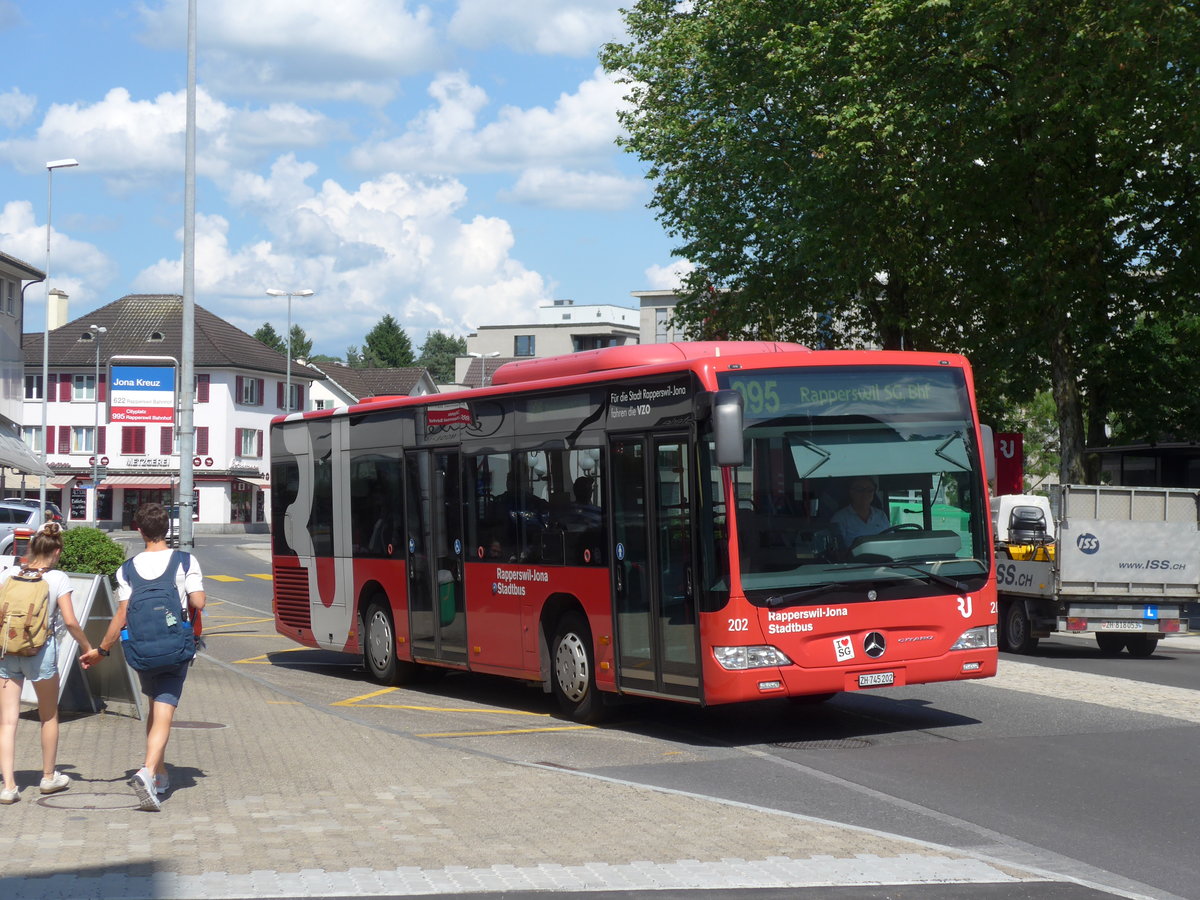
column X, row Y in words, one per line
column 874, row 644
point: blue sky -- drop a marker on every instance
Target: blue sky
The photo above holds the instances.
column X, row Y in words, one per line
column 450, row 162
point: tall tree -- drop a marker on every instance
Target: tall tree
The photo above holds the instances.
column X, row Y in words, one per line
column 301, row 343
column 438, row 354
column 1013, row 179
column 267, row 334
column 387, row 346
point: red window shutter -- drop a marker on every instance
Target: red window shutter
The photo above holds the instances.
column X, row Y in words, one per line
column 127, row 440
column 50, row 438
column 64, row 388
column 133, row 439
column 202, row 386
column 260, row 444
column 165, row 441
column 240, row 386
column 300, row 397
column 262, row 386
column 64, row 439
column 237, row 442
column 102, row 389
column 51, row 388
column 139, row 439
column 279, row 395
column 202, row 440
column 101, row 442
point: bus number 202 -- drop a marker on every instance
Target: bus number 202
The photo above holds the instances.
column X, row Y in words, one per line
column 739, row 624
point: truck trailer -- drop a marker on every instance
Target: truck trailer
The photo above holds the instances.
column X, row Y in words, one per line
column 1114, row 561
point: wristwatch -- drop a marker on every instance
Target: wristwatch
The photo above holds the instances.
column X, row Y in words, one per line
column 102, row 651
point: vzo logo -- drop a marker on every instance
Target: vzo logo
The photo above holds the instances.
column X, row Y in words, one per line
column 964, row 606
column 1088, row 543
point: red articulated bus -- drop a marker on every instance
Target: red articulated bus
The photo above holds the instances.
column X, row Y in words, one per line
column 708, row 522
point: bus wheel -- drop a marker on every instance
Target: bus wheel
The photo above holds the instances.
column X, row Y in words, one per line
column 379, row 644
column 1141, row 646
column 1110, row 644
column 573, row 674
column 1016, row 630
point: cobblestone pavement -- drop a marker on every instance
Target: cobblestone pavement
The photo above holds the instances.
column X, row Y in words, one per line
column 274, row 798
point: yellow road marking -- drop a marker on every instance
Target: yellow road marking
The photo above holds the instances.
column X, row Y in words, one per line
column 223, row 578
column 378, row 693
column 449, row 734
column 237, row 621
column 257, row 575
column 472, row 709
column 262, row 660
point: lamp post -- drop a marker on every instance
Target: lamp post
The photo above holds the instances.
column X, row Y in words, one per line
column 483, row 358
column 287, row 390
column 96, row 331
column 50, row 167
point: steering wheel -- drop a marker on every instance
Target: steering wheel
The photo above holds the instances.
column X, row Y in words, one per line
column 904, row 526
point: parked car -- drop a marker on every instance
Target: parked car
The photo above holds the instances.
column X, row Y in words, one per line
column 55, row 514
column 18, row 514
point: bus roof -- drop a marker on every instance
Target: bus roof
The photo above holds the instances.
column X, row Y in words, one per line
column 633, row 356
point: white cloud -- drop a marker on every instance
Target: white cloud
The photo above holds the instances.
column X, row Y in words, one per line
column 77, row 267
column 581, row 128
column 352, row 49
column 668, row 277
column 16, row 108
column 136, row 139
column 560, row 189
column 394, row 245
column 566, row 27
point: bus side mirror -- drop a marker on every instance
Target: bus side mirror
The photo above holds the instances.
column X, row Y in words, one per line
column 988, row 439
column 727, row 428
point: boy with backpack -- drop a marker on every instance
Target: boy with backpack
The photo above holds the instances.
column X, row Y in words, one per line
column 158, row 592
column 35, row 603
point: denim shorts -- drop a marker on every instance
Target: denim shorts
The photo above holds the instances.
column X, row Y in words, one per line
column 39, row 667
column 164, row 685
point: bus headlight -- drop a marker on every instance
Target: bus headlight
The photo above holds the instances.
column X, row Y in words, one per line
column 976, row 638
column 750, row 657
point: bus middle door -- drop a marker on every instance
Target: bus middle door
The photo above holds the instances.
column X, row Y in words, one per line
column 652, row 575
column 436, row 602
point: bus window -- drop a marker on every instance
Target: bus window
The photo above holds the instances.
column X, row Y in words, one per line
column 375, row 514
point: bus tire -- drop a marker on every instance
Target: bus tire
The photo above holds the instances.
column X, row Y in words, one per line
column 379, row 645
column 1110, row 644
column 573, row 670
column 1141, row 645
column 1016, row 630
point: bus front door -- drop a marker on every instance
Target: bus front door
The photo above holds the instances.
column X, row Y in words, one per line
column 436, row 608
column 653, row 583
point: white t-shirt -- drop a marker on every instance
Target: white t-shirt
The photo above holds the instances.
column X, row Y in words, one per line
column 59, row 585
column 152, row 563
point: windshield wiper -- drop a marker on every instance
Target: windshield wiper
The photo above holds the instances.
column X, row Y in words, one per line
column 797, row 596
column 957, row 586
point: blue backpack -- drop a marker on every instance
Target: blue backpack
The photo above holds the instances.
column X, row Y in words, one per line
column 157, row 632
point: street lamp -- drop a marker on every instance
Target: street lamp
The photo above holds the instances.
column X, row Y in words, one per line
column 96, row 332
column 50, row 167
column 287, row 391
column 483, row 358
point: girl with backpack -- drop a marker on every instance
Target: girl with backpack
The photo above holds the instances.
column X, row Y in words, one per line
column 41, row 667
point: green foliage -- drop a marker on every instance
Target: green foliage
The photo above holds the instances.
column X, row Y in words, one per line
column 301, row 343
column 1007, row 178
column 387, row 346
column 90, row 551
column 438, row 354
column 267, row 334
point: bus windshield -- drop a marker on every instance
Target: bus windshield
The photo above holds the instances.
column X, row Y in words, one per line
column 858, row 475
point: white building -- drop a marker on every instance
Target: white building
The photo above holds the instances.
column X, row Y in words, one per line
column 15, row 458
column 344, row 385
column 239, row 387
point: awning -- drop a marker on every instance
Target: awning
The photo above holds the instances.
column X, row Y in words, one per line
column 140, row 481
column 261, row 482
column 34, row 483
column 15, row 453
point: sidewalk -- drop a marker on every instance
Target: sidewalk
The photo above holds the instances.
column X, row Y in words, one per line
column 272, row 798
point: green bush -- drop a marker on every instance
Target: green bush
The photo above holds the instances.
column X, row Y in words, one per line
column 90, row 551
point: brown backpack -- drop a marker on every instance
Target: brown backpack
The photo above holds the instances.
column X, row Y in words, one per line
column 24, row 604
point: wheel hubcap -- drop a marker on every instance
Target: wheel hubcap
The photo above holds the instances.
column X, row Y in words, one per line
column 571, row 666
column 379, row 641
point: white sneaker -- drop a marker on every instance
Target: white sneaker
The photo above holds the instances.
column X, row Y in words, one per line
column 162, row 784
column 55, row 783
column 142, row 783
column 7, row 796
